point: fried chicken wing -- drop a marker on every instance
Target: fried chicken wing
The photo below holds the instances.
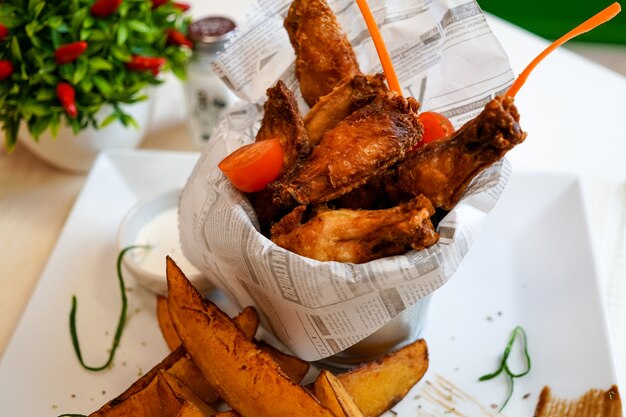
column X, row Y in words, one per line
column 282, row 120
column 358, row 236
column 324, row 56
column 442, row 170
column 363, row 145
column 349, row 96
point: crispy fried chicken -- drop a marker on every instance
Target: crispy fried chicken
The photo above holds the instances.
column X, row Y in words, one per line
column 282, row 120
column 363, row 145
column 358, row 236
column 442, row 170
column 324, row 56
column 349, row 96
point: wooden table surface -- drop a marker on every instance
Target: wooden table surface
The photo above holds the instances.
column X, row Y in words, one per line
column 35, row 200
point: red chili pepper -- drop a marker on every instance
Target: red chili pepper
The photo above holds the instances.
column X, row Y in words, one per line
column 67, row 53
column 175, row 37
column 4, row 32
column 104, row 8
column 145, row 63
column 182, row 6
column 158, row 3
column 6, row 69
column 67, row 97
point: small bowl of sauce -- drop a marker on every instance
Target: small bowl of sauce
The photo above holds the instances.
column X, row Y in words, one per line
column 153, row 223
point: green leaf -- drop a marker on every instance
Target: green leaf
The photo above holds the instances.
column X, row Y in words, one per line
column 38, row 125
column 86, row 85
column 67, row 72
column 32, row 28
column 121, row 53
column 15, row 49
column 103, row 85
column 97, row 35
column 45, row 94
column 82, row 66
column 122, row 35
column 77, row 20
column 55, row 22
column 55, row 124
column 100, row 64
column 109, row 119
column 38, row 109
column 57, row 38
column 138, row 26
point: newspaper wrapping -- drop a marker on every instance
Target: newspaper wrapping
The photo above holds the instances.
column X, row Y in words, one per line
column 445, row 56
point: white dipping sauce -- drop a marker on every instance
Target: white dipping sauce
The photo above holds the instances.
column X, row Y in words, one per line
column 161, row 233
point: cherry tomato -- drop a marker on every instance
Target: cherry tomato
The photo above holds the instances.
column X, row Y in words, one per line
column 436, row 127
column 251, row 167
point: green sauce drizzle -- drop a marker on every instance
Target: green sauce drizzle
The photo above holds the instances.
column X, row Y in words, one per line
column 517, row 331
column 120, row 325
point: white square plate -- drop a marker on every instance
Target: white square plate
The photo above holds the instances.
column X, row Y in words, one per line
column 532, row 266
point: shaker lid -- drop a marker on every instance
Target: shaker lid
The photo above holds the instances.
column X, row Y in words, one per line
column 212, row 29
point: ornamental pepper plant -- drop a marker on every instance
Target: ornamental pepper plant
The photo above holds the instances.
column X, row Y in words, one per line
column 62, row 60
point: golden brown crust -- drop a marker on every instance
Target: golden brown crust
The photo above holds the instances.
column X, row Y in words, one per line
column 282, row 120
column 443, row 169
column 247, row 379
column 324, row 56
column 349, row 96
column 363, row 145
column 359, row 236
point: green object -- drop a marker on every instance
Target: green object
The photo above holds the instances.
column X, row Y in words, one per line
column 552, row 19
column 518, row 331
column 100, row 75
column 120, row 324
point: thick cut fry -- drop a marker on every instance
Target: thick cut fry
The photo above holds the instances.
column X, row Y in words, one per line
column 142, row 397
column 248, row 379
column 378, row 386
column 294, row 367
column 332, row 394
column 248, row 321
column 324, row 56
column 187, row 371
column 185, row 394
column 190, row 410
column 171, row 404
column 165, row 323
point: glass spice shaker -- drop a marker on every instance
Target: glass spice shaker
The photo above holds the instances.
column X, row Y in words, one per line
column 207, row 95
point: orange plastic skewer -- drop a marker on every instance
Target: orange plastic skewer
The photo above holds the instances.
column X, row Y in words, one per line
column 381, row 49
column 593, row 22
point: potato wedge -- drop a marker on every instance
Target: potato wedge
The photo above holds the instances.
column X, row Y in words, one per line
column 247, row 320
column 190, row 410
column 248, row 379
column 142, row 397
column 165, row 323
column 378, row 386
column 187, row 371
column 171, row 404
column 332, row 395
column 294, row 367
column 185, row 394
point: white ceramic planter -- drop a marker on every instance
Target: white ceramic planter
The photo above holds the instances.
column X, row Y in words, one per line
column 76, row 152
